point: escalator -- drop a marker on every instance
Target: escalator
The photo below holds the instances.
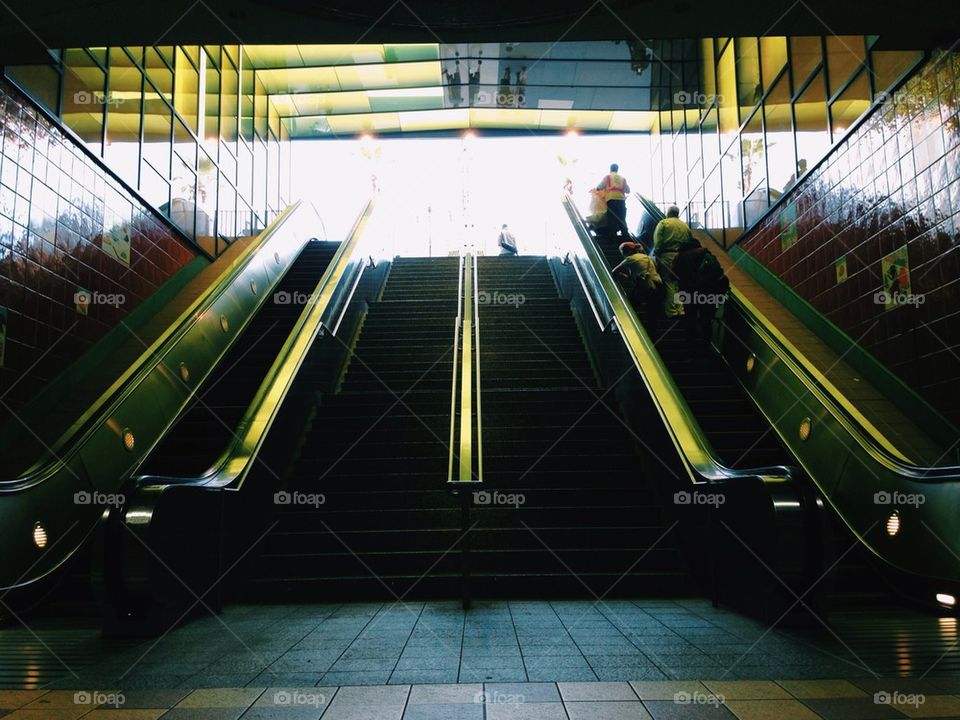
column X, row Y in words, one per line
column 565, row 508
column 206, row 427
column 758, row 403
column 54, row 513
column 365, row 513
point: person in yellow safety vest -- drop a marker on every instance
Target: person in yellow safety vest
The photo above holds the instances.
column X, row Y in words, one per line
column 615, row 188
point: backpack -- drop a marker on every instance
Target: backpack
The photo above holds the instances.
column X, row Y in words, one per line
column 710, row 275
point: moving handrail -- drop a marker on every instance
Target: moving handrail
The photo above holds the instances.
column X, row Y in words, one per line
column 321, row 315
column 692, row 445
column 904, row 514
column 49, row 511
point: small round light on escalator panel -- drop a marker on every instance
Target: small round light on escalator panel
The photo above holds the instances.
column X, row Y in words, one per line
column 129, row 441
column 276, row 258
column 253, row 286
column 184, row 372
column 806, row 426
column 39, row 536
column 947, row 600
column 893, row 524
column 224, row 323
column 751, row 362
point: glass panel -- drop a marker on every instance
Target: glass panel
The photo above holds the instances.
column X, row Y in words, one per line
column 159, row 73
column 211, row 106
column 710, row 141
column 731, row 175
column 122, row 149
column 810, row 114
column 889, row 65
column 845, row 55
column 748, row 74
column 260, row 109
column 727, row 96
column 206, row 195
column 781, row 160
column 754, row 154
column 229, row 105
column 99, row 54
column 261, row 171
column 157, row 129
column 228, row 164
column 187, row 100
column 184, row 144
column 155, row 189
column 246, row 101
column 226, row 209
column 84, row 98
column 245, row 171
column 773, row 56
column 709, row 70
column 805, row 55
column 183, row 206
column 850, row 105
column 41, row 82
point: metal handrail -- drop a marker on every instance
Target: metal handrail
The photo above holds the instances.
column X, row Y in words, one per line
column 466, row 381
column 453, row 389
column 696, row 453
column 476, row 364
column 867, row 435
column 852, row 455
column 344, row 271
column 115, row 434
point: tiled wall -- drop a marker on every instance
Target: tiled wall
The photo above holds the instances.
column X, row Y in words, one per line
column 58, row 213
column 894, row 183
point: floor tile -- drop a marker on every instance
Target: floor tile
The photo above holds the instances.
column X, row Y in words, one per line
column 603, row 710
column 804, row 689
column 852, row 709
column 446, row 694
column 221, row 698
column 521, row 693
column 667, row 689
column 427, row 711
column 770, row 710
column 12, row 699
column 596, row 691
column 668, row 710
column 746, row 689
column 355, row 678
column 932, row 706
column 526, row 711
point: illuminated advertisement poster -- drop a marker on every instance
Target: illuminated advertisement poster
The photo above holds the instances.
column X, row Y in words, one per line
column 841, row 267
column 895, row 272
column 788, row 227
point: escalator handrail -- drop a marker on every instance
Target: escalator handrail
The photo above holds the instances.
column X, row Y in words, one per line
column 106, row 404
column 233, row 465
column 865, row 433
column 476, row 369
column 453, row 389
column 466, row 372
column 98, row 454
column 695, row 451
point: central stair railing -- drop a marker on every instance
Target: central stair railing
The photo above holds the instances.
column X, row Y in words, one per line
column 465, row 468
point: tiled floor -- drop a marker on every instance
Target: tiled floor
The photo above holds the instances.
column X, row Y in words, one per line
column 382, row 644
column 638, row 700
column 572, row 660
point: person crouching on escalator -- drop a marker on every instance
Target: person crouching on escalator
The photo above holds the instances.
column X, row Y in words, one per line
column 703, row 289
column 643, row 283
